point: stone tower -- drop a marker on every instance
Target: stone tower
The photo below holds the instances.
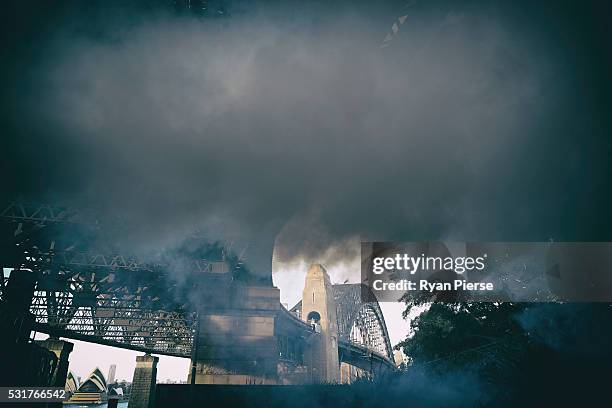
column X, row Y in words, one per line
column 319, row 309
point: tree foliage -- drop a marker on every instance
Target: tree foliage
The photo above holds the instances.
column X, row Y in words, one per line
column 485, row 338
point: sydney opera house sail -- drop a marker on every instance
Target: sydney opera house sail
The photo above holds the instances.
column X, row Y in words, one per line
column 94, row 383
column 91, row 391
column 72, row 383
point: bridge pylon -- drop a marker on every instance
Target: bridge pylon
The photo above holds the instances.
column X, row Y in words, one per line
column 143, row 382
column 319, row 309
column 236, row 341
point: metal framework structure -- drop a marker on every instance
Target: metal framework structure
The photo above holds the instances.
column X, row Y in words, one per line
column 360, row 319
column 110, row 299
column 109, row 307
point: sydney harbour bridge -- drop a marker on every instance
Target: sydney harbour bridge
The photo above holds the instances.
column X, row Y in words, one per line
column 234, row 329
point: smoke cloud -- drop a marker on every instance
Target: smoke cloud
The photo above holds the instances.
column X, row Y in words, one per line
column 301, row 129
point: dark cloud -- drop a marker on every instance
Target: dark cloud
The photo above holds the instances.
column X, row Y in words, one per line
column 476, row 123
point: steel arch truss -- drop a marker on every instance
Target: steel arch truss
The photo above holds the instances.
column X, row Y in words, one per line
column 360, row 322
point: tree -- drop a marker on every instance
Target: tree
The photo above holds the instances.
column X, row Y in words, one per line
column 483, row 338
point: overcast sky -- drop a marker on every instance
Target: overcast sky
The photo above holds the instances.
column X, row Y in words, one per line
column 480, row 121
